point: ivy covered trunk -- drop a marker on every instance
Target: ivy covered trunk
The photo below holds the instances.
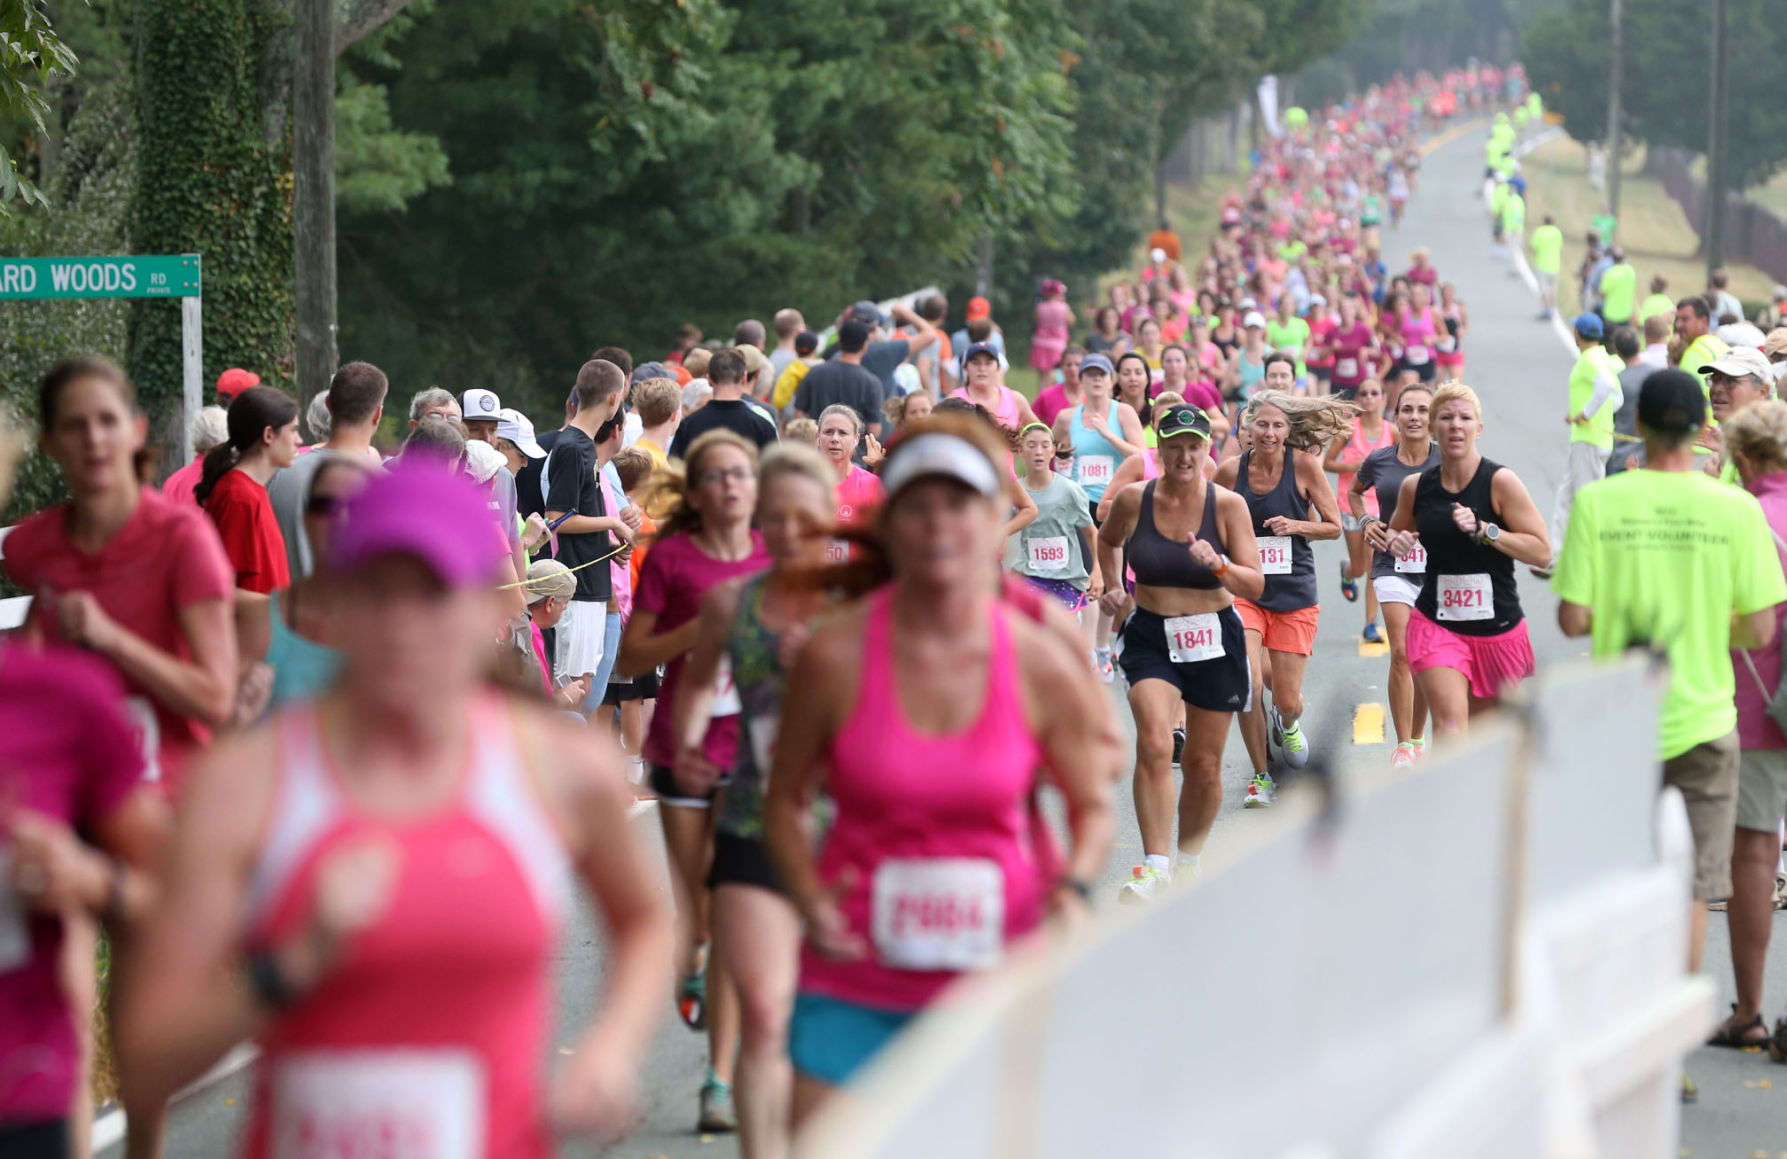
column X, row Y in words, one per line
column 214, row 178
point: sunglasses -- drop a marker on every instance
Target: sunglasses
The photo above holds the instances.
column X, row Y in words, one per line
column 325, row 505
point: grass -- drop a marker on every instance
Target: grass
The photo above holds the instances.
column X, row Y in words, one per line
column 1657, row 235
column 1770, row 195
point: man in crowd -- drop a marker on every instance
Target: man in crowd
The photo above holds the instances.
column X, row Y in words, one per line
column 1619, row 289
column 788, row 323
column 1734, row 380
column 1594, row 400
column 356, row 402
column 1670, row 559
column 1693, row 326
column 883, row 356
column 1725, row 305
column 728, row 409
column 483, row 413
column 432, row 402
column 1659, row 303
column 749, row 333
column 1656, row 339
column 844, row 379
column 1547, row 244
column 1627, row 443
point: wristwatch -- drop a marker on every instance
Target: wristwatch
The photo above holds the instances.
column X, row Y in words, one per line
column 1488, row 533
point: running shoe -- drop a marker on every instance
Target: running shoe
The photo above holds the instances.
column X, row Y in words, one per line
column 717, row 1114
column 1274, row 731
column 1101, row 662
column 691, row 1001
column 1406, row 754
column 1777, row 1042
column 1371, row 635
column 1349, row 587
column 1259, row 794
column 1144, row 885
column 1294, row 747
column 1178, row 744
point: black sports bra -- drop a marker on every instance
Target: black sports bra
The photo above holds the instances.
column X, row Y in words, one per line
column 1159, row 562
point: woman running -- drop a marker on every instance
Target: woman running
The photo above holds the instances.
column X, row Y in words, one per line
column 1190, row 543
column 1135, row 386
column 1103, row 432
column 1420, row 335
column 1370, row 432
column 372, row 884
column 756, row 625
column 1057, row 553
column 1107, row 336
column 1150, row 343
column 1176, row 367
column 1354, row 347
column 1397, row 580
column 1247, row 365
column 980, row 370
column 1467, row 637
column 263, row 426
column 1320, row 356
column 1281, row 480
column 1449, row 354
column 704, row 539
column 858, row 491
column 925, row 714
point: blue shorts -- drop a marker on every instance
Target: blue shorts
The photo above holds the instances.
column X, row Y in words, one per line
column 1064, row 592
column 830, row 1039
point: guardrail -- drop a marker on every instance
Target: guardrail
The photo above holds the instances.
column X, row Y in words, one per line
column 16, row 609
column 1485, row 958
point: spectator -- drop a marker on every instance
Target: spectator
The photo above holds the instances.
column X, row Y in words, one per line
column 1619, row 289
column 209, row 427
column 263, row 438
column 1725, row 305
column 979, row 309
column 1659, row 302
column 574, row 493
column 478, row 410
column 484, row 413
column 233, row 382
column 317, row 420
column 617, row 355
column 789, row 324
column 1628, row 446
column 688, row 337
column 439, row 437
column 695, row 362
column 696, row 395
column 1773, row 315
column 806, row 347
column 432, row 401
column 758, row 383
column 933, row 359
column 530, row 481
column 1656, row 339
column 844, row 380
column 882, row 358
column 355, row 403
column 1053, row 318
column 749, row 333
column 728, row 408
column 659, row 403
column 1693, row 325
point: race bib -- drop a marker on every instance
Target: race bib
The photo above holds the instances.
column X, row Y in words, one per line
column 1275, row 554
column 1465, row 597
column 1094, row 470
column 15, row 932
column 1346, row 368
column 836, row 551
column 763, row 730
column 1448, row 344
column 1416, row 356
column 1414, row 563
column 939, row 913
column 725, row 691
column 147, row 730
column 1047, row 553
column 401, row 1104
column 1193, row 639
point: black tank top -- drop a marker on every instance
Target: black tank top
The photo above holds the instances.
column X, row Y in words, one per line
column 1285, row 591
column 1160, row 562
column 1453, row 590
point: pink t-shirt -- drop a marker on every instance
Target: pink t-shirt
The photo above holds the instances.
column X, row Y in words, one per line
column 674, row 577
column 166, row 558
column 181, row 484
column 1348, row 345
column 1203, row 395
column 860, row 493
column 1756, row 729
column 1051, row 402
column 66, row 751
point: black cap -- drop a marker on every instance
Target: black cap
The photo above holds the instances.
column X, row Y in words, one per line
column 1184, row 419
column 853, row 335
column 806, row 342
column 1672, row 402
column 865, row 312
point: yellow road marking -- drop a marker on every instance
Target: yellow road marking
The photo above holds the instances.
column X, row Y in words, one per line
column 1368, row 724
column 1373, row 651
column 1451, row 135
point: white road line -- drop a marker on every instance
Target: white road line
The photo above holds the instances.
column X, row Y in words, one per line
column 108, row 1128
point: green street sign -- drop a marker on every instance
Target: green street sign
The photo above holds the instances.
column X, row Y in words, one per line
column 160, row 276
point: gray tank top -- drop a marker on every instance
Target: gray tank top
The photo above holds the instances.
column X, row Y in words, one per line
column 1288, row 561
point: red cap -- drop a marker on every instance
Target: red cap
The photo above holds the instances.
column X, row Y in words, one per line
column 979, row 308
column 235, row 380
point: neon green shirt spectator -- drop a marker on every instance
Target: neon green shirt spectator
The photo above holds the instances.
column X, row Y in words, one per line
column 1548, row 249
column 1514, row 212
column 1498, row 201
column 1668, row 556
column 1290, row 337
column 1535, row 105
column 1704, row 349
column 1604, row 224
column 1590, row 365
column 1654, row 305
column 1619, row 286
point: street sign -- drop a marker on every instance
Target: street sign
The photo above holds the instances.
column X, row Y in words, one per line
column 135, row 276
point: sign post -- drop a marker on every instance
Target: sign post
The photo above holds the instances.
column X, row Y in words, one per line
column 137, row 276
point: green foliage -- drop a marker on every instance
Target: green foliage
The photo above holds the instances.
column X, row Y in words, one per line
column 1405, row 36
column 209, row 183
column 1667, row 53
column 30, row 52
column 86, row 211
column 377, row 167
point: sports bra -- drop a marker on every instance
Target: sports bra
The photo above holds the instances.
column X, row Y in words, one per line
column 1159, row 562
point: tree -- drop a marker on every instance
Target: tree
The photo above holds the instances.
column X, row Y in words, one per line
column 30, row 54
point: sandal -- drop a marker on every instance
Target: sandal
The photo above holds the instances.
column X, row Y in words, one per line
column 1753, row 1034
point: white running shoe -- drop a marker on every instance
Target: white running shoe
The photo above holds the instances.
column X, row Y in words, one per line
column 1295, row 748
column 1260, row 792
column 1144, row 885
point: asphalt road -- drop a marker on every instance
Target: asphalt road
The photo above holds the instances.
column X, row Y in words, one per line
column 1519, row 367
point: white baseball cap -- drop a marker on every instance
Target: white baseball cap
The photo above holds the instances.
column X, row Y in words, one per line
column 937, row 454
column 478, row 405
column 511, row 424
column 1253, row 318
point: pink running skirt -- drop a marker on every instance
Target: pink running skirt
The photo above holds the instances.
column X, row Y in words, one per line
column 1492, row 664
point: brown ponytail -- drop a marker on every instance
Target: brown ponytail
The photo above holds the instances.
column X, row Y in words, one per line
column 251, row 413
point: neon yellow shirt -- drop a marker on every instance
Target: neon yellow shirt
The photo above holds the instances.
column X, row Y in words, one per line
column 1548, row 249
column 1514, row 212
column 1704, row 349
column 1668, row 556
column 1654, row 305
column 1289, row 337
column 1589, row 366
column 1619, row 286
column 789, row 381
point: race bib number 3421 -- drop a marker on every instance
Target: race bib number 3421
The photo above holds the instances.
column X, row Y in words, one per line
column 1465, row 597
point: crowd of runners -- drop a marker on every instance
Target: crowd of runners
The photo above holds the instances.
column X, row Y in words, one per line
column 326, row 737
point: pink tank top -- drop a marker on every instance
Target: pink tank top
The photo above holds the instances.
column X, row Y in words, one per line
column 1418, row 333
column 935, row 829
column 1006, row 412
column 432, row 1031
column 1357, row 447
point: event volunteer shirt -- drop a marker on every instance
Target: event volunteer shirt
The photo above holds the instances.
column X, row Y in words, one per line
column 165, row 558
column 1591, row 364
column 1676, row 551
column 1548, row 249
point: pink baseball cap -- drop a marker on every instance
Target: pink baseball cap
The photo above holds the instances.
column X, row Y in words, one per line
column 421, row 508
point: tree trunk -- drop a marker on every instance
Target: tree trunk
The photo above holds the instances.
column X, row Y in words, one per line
column 313, row 196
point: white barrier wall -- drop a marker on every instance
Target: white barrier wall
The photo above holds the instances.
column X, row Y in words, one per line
column 1486, row 958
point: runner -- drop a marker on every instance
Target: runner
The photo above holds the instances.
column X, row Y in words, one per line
column 980, row 370
column 1281, row 480
column 858, row 491
column 1098, row 447
column 1448, row 355
column 1191, row 546
column 1057, row 553
column 1064, row 391
column 1394, row 579
column 1288, row 334
column 755, row 626
column 1247, row 364
column 704, row 539
column 1354, row 346
column 1467, row 637
column 1420, row 336
column 1320, row 356
column 263, row 427
column 1135, row 386
column 931, row 796
column 405, row 846
column 1370, row 432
